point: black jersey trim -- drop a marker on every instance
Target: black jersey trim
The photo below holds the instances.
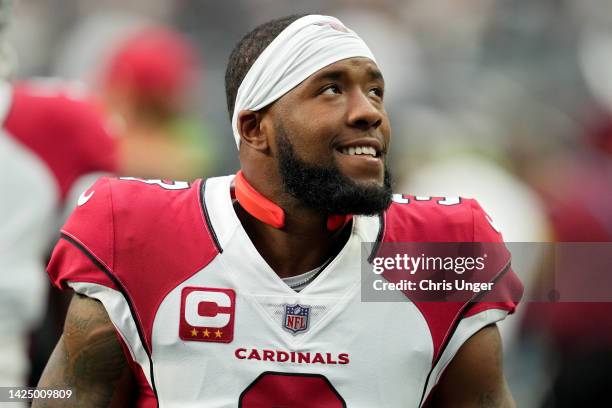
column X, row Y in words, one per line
column 207, row 218
column 379, row 237
column 474, row 299
column 123, row 291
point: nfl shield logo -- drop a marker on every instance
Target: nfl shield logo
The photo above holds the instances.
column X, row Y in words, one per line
column 296, row 318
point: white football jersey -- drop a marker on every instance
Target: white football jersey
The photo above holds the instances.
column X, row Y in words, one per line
column 207, row 322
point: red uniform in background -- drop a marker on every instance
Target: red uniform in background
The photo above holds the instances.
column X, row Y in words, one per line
column 50, row 138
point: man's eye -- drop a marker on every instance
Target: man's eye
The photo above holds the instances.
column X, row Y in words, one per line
column 377, row 92
column 330, row 90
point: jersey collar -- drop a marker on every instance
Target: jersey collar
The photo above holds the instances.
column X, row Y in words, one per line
column 269, row 212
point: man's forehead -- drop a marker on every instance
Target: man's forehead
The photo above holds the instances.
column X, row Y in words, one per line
column 356, row 66
column 361, row 65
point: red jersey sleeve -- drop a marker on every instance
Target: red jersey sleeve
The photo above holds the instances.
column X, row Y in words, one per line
column 452, row 324
column 507, row 290
column 84, row 259
column 84, row 252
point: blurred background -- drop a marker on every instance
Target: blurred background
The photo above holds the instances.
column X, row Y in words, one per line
column 509, row 102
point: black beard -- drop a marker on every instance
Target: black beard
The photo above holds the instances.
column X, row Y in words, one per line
column 325, row 188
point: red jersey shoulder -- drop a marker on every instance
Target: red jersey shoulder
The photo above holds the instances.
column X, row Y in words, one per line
column 452, row 219
column 148, row 197
column 437, row 219
column 146, row 235
column 86, row 251
column 68, row 134
column 121, row 219
column 118, row 214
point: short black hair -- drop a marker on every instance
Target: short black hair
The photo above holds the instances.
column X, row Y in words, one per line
column 247, row 51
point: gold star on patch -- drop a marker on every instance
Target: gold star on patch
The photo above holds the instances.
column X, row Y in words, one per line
column 194, row 332
column 218, row 333
column 206, row 333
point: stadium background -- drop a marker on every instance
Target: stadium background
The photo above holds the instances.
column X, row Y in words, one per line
column 508, row 102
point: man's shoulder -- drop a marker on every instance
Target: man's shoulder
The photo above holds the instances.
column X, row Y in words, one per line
column 442, row 219
column 447, row 206
column 135, row 231
column 151, row 196
column 135, row 198
column 118, row 216
column 133, row 239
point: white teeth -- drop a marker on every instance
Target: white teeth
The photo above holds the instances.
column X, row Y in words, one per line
column 359, row 150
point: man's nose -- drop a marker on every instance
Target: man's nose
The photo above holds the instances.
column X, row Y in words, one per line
column 362, row 112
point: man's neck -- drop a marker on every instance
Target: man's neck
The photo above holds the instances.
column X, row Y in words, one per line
column 302, row 245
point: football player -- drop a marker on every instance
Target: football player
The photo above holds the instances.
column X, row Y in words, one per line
column 245, row 290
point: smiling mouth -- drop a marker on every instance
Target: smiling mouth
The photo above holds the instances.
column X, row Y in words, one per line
column 367, row 151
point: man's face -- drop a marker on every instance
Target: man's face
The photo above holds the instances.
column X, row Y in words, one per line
column 331, row 138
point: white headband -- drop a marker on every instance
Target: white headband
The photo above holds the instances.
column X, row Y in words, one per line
column 304, row 47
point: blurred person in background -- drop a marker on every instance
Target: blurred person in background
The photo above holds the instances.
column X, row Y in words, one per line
column 576, row 188
column 576, row 185
column 50, row 138
column 145, row 88
column 68, row 129
column 147, row 77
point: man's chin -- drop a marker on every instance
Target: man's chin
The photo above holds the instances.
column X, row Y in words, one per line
column 368, row 183
column 343, row 196
column 361, row 169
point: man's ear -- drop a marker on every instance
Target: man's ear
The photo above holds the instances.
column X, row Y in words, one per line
column 252, row 131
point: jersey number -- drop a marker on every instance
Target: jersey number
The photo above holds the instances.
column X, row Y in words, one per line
column 403, row 199
column 274, row 389
column 168, row 185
